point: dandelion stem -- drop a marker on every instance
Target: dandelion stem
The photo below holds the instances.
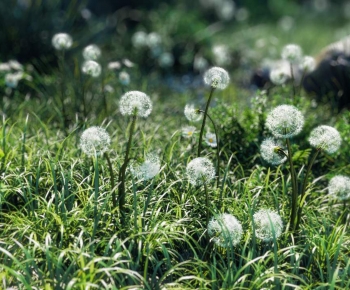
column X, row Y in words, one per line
column 294, row 186
column 111, row 173
column 62, row 96
column 217, row 150
column 207, row 208
column 203, row 122
column 292, row 75
column 96, row 190
column 303, row 188
column 122, row 173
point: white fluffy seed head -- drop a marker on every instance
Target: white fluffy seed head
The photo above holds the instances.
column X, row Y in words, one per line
column 216, row 77
column 225, row 230
column 278, row 76
column 268, row 225
column 285, row 121
column 62, row 41
column 270, row 150
column 95, row 140
column 339, row 187
column 192, row 113
column 124, row 78
column 325, row 138
column 148, row 169
column 307, row 64
column 135, row 101
column 292, row 53
column 91, row 68
column 91, row 52
column 188, row 131
column 210, row 139
column 200, row 171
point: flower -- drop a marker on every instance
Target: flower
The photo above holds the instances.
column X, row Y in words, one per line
column 124, row 78
column 339, row 187
column 153, row 39
column 14, row 64
column 325, row 138
column 91, row 52
column 270, row 150
column 135, row 100
column 200, row 171
column 192, row 113
column 148, row 169
column 210, row 139
column 139, row 39
column 285, row 121
column 12, row 79
column 95, row 140
column 292, row 53
column 268, row 225
column 307, row 64
column 188, row 131
column 278, row 76
column 216, row 77
column 114, row 65
column 225, row 230
column 91, row 68
column 62, row 41
column 166, row 59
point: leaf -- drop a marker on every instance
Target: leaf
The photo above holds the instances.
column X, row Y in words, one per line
column 301, row 155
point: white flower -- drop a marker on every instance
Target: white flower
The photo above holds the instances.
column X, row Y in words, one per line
column 5, row 67
column 292, row 53
column 307, row 64
column 326, row 138
column 91, row 52
column 124, row 78
column 200, row 171
column 188, row 131
column 270, row 151
column 221, row 54
column 285, row 121
column 210, row 139
column 148, row 169
column 192, row 113
column 225, row 230
column 91, row 68
column 166, row 59
column 153, row 39
column 278, row 76
column 225, row 10
column 95, row 140
column 12, row 79
column 216, row 77
column 268, row 225
column 339, row 187
column 200, row 63
column 135, row 100
column 139, row 39
column 14, row 64
column 114, row 65
column 62, row 41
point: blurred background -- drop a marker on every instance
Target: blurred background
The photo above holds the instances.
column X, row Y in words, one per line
column 174, row 36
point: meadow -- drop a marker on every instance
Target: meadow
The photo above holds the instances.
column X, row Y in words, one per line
column 125, row 166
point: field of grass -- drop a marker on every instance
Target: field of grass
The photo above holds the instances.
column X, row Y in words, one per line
column 74, row 220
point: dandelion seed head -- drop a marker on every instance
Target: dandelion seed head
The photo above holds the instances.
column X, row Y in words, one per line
column 200, row 171
column 292, row 53
column 95, row 140
column 278, row 76
column 148, row 169
column 225, row 230
column 114, row 65
column 325, row 138
column 188, row 131
column 62, row 41
column 91, row 68
column 216, row 77
column 12, row 79
column 124, row 78
column 135, row 100
column 139, row 39
column 307, row 64
column 91, row 52
column 192, row 113
column 268, row 225
column 269, row 150
column 285, row 121
column 153, row 39
column 210, row 139
column 339, row 187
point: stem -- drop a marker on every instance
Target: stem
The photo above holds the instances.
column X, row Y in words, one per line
column 217, row 149
column 62, row 97
column 103, row 94
column 207, row 208
column 301, row 81
column 294, row 186
column 111, row 173
column 292, row 75
column 203, row 123
column 303, row 188
column 24, row 142
column 96, row 190
column 122, row 173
